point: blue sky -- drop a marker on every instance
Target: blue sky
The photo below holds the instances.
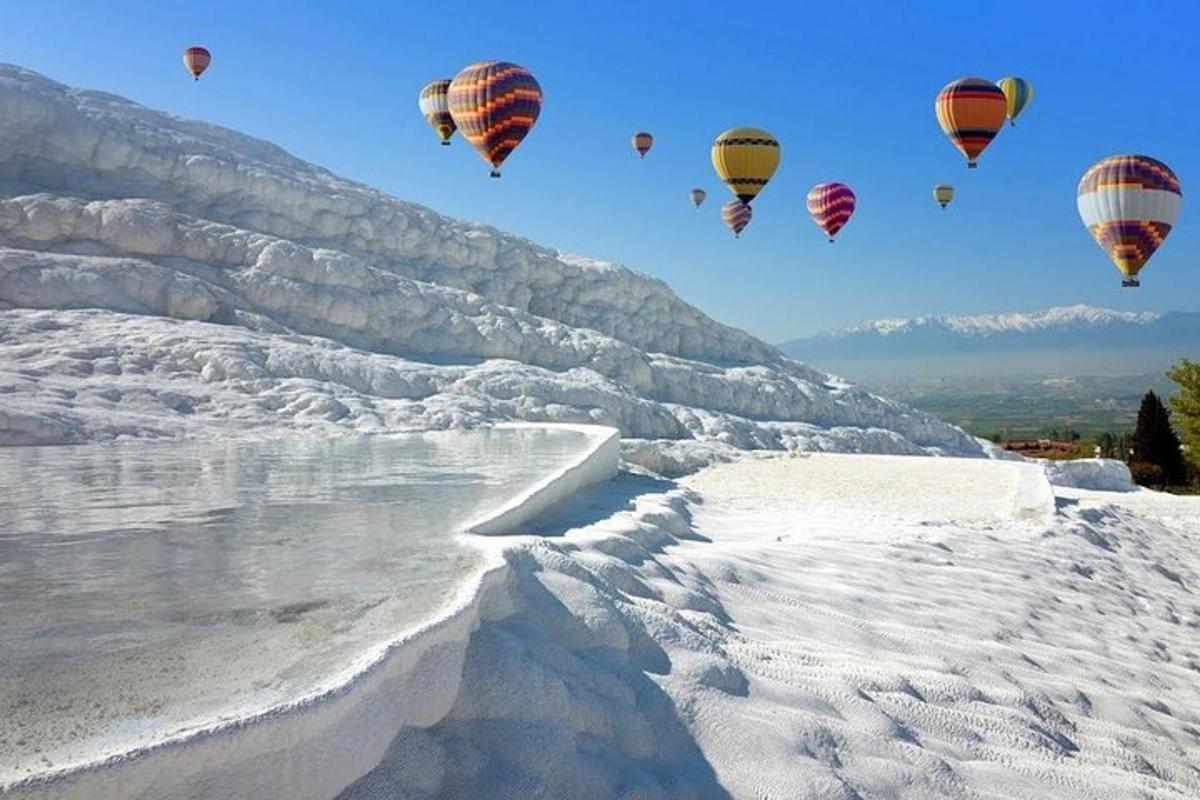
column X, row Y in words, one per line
column 846, row 87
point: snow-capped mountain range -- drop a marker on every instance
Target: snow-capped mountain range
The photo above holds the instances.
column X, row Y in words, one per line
column 1076, row 316
column 1076, row 339
column 167, row 277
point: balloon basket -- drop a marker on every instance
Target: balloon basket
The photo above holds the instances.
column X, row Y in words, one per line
column 446, row 143
column 494, row 173
column 1131, row 283
column 971, row 165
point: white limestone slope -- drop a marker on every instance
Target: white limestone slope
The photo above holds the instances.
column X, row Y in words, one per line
column 161, row 277
column 831, row 627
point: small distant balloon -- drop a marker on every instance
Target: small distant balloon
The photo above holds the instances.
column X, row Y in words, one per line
column 831, row 206
column 698, row 196
column 1018, row 93
column 943, row 193
column 971, row 111
column 495, row 104
column 736, row 216
column 435, row 107
column 1129, row 203
column 745, row 159
column 642, row 142
column 196, row 59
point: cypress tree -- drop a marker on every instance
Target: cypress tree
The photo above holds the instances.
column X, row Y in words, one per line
column 1155, row 443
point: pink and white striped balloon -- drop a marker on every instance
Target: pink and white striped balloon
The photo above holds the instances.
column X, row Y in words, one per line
column 831, row 206
column 736, row 216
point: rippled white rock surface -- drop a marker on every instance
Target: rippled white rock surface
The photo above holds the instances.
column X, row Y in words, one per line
column 231, row 285
column 148, row 589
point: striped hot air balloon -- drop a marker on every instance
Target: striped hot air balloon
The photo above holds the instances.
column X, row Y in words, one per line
column 642, row 142
column 1129, row 204
column 745, row 159
column 736, row 216
column 495, row 104
column 943, row 193
column 831, row 206
column 971, row 111
column 1018, row 93
column 698, row 196
column 196, row 59
column 435, row 107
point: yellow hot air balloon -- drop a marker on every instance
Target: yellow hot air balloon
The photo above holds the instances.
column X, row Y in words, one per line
column 943, row 193
column 1018, row 93
column 745, row 159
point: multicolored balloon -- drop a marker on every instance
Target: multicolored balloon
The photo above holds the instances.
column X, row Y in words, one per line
column 943, row 193
column 971, row 111
column 1129, row 204
column 736, row 216
column 745, row 159
column 495, row 104
column 642, row 142
column 435, row 107
column 831, row 206
column 1018, row 93
column 196, row 59
column 698, row 196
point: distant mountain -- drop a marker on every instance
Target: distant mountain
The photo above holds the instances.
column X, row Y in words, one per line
column 1070, row 340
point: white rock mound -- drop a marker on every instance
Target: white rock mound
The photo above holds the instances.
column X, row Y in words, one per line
column 163, row 277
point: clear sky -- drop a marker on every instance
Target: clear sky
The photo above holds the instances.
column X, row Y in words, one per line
column 847, row 87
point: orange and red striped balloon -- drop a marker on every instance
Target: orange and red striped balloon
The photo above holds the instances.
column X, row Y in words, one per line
column 494, row 104
column 196, row 59
column 971, row 111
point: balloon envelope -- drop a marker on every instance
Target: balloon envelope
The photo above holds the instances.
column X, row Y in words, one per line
column 971, row 111
column 698, row 196
column 736, row 216
column 1018, row 93
column 831, row 206
column 745, row 159
column 495, row 104
column 435, row 107
column 642, row 142
column 943, row 193
column 1129, row 203
column 196, row 59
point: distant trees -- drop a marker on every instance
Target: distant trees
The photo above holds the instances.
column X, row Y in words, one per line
column 1114, row 445
column 1186, row 405
column 1157, row 458
column 1065, row 435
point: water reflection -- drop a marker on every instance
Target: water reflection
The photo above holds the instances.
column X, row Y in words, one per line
column 191, row 578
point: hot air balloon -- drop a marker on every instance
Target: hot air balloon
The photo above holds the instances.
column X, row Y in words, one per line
column 1018, row 93
column 698, row 196
column 495, row 105
column 642, row 142
column 736, row 216
column 831, row 206
column 943, row 193
column 745, row 159
column 196, row 59
column 436, row 109
column 1129, row 204
column 971, row 111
